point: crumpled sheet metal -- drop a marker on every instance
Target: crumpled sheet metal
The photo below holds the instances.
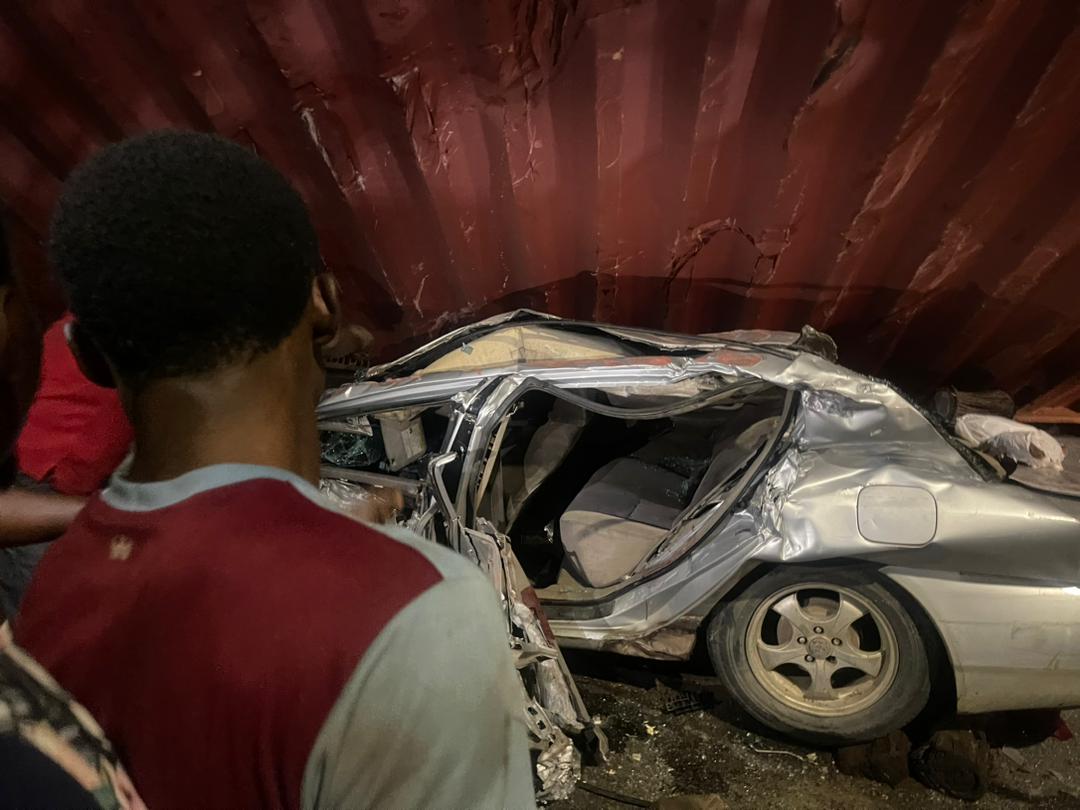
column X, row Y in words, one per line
column 805, row 509
column 370, row 396
column 767, row 361
column 345, row 495
column 522, row 344
column 461, row 331
column 409, row 391
column 559, row 768
column 850, row 432
column 551, row 706
column 664, row 341
column 808, row 505
column 896, row 171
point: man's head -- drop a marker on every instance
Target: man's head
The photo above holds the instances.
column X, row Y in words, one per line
column 20, row 357
column 183, row 254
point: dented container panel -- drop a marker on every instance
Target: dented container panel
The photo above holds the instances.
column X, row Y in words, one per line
column 902, row 175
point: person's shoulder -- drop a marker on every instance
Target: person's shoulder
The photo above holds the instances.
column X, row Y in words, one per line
column 451, row 565
column 307, row 508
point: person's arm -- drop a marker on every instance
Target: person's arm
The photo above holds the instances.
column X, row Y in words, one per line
column 33, row 517
column 432, row 715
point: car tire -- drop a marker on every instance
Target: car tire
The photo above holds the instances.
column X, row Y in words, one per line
column 866, row 674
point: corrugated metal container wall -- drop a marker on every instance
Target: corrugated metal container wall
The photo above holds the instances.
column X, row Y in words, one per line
column 901, row 174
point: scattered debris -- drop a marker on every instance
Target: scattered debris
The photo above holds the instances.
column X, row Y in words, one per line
column 883, row 760
column 1014, row 756
column 799, row 757
column 650, row 730
column 710, row 753
column 955, row 762
column 687, row 702
column 1010, row 439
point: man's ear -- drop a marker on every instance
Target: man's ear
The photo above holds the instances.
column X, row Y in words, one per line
column 326, row 304
column 91, row 361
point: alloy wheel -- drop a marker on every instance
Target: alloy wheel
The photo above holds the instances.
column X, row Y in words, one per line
column 822, row 649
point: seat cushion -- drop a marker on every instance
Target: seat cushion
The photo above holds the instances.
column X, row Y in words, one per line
column 685, row 452
column 547, row 450
column 602, row 549
column 729, row 456
column 618, row 518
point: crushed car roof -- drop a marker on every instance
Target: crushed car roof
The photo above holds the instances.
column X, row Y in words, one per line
column 808, row 340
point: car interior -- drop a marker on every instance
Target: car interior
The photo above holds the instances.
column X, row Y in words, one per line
column 586, row 497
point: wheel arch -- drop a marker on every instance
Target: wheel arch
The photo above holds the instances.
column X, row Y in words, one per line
column 719, row 598
column 943, row 684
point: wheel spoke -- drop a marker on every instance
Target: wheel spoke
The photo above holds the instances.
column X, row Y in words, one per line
column 862, row 660
column 847, row 613
column 790, row 609
column 821, row 687
column 773, row 656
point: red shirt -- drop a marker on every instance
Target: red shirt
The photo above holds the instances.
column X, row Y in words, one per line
column 76, row 433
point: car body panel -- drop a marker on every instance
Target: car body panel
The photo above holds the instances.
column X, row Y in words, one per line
column 844, row 438
column 1005, row 637
column 664, row 341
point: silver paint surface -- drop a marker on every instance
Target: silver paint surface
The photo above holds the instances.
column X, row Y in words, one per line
column 846, row 435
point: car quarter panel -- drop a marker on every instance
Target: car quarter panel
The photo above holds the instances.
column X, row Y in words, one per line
column 1012, row 644
column 809, row 509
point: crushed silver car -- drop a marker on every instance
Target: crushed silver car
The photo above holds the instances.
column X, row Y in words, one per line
column 839, row 553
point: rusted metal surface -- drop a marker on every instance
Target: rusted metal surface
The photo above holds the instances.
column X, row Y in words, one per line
column 1052, row 407
column 672, row 643
column 901, row 174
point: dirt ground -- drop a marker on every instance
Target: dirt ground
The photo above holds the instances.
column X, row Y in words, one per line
column 679, row 734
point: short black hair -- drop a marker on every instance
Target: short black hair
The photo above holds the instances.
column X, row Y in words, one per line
column 181, row 252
